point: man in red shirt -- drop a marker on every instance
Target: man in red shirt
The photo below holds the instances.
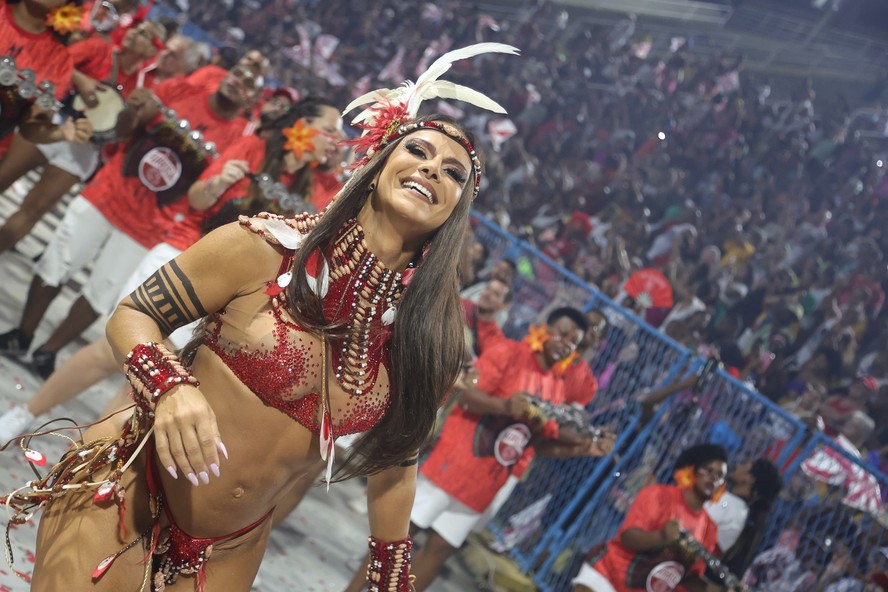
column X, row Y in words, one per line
column 480, row 316
column 491, row 435
column 27, row 38
column 646, row 555
column 67, row 163
column 114, row 221
column 181, row 56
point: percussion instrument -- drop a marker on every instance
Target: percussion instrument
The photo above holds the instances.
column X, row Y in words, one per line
column 18, row 87
column 725, row 577
column 567, row 416
column 276, row 191
column 103, row 116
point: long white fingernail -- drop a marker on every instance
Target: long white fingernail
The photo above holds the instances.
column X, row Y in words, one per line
column 222, row 449
column 205, row 477
column 193, row 478
column 172, row 471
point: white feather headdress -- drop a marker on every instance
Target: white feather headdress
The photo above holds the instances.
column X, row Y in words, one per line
column 391, row 108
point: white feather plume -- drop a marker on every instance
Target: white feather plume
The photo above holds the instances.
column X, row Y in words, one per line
column 427, row 86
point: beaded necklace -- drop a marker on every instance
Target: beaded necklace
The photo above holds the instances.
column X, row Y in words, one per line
column 362, row 297
column 373, row 292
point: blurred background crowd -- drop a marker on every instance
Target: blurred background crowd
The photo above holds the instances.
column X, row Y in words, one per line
column 762, row 209
column 740, row 214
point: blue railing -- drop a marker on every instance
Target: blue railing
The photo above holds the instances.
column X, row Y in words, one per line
column 578, row 503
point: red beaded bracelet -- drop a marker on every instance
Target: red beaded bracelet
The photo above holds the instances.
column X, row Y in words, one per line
column 389, row 569
column 152, row 369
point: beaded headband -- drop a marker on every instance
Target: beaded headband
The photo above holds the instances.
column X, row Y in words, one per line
column 392, row 111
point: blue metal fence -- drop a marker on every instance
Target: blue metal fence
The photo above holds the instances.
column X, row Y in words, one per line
column 564, row 507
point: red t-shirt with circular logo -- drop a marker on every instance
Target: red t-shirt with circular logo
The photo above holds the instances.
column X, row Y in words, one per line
column 130, row 202
column 475, row 454
column 661, row 570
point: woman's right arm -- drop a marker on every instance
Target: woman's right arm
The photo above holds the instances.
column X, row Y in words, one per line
column 200, row 281
column 206, row 192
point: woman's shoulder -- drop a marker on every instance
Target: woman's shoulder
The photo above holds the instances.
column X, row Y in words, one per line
column 276, row 230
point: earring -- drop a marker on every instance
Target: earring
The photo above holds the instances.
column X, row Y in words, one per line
column 371, row 188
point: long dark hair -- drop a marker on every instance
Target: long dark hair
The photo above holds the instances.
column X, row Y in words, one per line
column 307, row 108
column 768, row 483
column 255, row 201
column 426, row 347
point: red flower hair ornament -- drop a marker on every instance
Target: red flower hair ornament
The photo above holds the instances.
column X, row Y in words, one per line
column 391, row 111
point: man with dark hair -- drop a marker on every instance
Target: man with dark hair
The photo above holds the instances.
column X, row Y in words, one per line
column 481, row 315
column 491, row 434
column 646, row 555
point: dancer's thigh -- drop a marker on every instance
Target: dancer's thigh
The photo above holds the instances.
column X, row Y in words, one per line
column 75, row 534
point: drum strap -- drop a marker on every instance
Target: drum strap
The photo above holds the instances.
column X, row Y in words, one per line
column 115, row 67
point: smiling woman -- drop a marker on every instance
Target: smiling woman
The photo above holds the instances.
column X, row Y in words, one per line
column 316, row 326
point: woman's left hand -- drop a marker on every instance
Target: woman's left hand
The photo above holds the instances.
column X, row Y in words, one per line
column 186, row 434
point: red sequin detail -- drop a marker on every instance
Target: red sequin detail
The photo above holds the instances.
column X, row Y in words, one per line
column 360, row 288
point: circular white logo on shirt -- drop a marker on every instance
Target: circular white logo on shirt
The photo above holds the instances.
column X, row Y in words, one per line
column 665, row 577
column 510, row 444
column 160, row 169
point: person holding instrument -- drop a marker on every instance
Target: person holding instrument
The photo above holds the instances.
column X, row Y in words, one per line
column 33, row 34
column 119, row 205
column 646, row 554
column 268, row 152
column 318, row 326
column 67, row 163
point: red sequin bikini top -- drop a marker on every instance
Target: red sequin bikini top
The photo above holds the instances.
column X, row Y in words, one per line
column 255, row 336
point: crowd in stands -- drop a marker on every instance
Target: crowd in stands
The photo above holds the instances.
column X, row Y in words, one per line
column 762, row 213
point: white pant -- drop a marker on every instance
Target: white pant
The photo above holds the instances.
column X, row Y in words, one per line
column 85, row 235
column 435, row 508
column 78, row 159
column 501, row 496
column 153, row 260
column 593, row 580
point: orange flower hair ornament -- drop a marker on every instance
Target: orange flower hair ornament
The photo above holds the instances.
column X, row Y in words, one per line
column 686, row 478
column 299, row 138
column 65, row 19
column 537, row 336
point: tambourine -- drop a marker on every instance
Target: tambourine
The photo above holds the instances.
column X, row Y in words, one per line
column 18, row 88
column 277, row 192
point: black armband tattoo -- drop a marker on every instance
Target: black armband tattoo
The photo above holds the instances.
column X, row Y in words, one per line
column 169, row 298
